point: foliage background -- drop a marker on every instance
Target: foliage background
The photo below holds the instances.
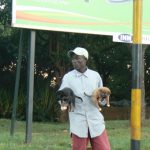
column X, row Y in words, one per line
column 112, row 60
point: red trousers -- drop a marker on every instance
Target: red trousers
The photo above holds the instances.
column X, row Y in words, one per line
column 98, row 143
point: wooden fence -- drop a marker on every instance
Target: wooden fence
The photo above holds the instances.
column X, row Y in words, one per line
column 112, row 113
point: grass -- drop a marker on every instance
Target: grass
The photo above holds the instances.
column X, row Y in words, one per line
column 55, row 136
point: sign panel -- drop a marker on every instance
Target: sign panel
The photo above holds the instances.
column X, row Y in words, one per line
column 127, row 38
column 106, row 17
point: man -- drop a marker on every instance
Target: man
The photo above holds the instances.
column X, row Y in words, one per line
column 86, row 122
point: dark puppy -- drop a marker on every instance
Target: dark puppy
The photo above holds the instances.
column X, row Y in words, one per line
column 67, row 99
column 101, row 96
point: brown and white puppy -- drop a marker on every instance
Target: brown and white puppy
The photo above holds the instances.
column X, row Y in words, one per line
column 100, row 97
column 66, row 97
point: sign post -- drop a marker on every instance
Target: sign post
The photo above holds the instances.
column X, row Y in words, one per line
column 30, row 87
column 15, row 100
column 136, row 76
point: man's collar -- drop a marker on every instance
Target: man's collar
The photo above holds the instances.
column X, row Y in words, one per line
column 78, row 74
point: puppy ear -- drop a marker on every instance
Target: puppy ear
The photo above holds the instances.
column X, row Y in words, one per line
column 73, row 101
column 101, row 90
column 96, row 93
column 58, row 95
column 109, row 91
column 106, row 89
column 58, row 98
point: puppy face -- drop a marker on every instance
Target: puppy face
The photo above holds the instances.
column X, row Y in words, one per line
column 65, row 103
column 100, row 97
column 104, row 92
column 66, row 98
column 63, row 100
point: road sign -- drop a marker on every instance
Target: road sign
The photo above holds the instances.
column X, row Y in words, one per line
column 105, row 17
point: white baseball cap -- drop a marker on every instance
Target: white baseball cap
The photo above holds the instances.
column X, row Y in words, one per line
column 79, row 51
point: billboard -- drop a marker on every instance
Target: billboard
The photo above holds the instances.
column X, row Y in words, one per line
column 106, row 17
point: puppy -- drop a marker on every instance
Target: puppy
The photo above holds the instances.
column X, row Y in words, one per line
column 100, row 97
column 66, row 97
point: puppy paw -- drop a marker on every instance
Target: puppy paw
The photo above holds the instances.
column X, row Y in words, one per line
column 63, row 108
column 108, row 105
column 100, row 109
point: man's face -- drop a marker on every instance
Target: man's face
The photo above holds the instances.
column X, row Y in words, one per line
column 78, row 62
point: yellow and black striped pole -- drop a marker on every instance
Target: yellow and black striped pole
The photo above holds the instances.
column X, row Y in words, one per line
column 136, row 76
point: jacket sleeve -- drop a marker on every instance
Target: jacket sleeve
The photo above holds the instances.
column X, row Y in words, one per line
column 64, row 82
column 100, row 82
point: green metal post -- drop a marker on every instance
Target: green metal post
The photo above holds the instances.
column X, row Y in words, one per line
column 15, row 100
column 30, row 87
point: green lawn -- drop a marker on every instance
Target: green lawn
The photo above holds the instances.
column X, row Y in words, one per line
column 55, row 136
